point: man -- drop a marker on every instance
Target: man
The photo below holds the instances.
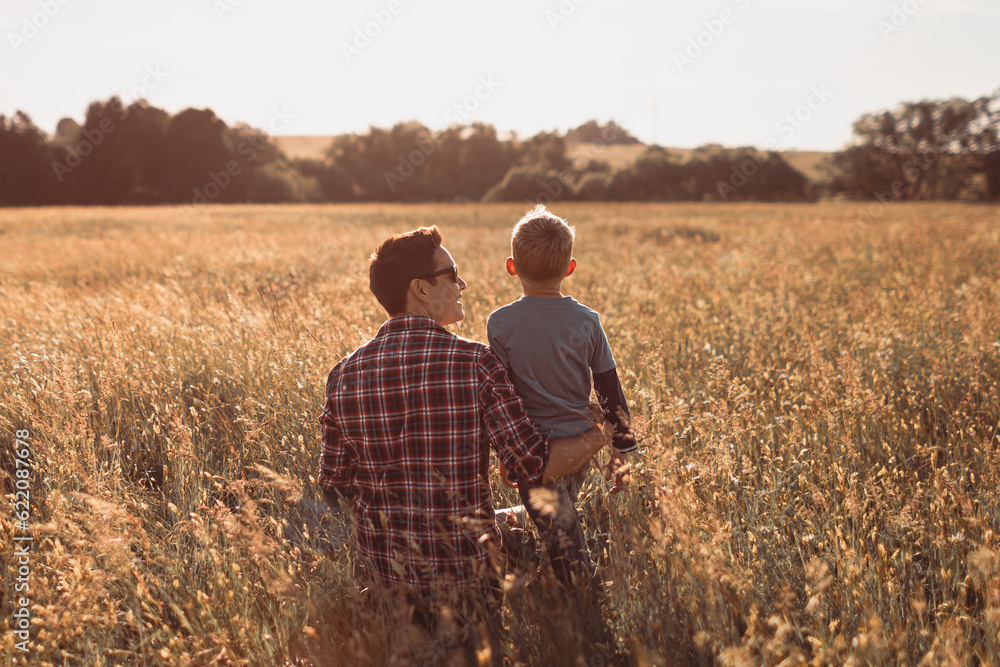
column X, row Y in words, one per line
column 409, row 421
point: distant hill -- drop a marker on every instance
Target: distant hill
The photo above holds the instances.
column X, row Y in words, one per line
column 594, row 133
column 808, row 163
column 309, row 147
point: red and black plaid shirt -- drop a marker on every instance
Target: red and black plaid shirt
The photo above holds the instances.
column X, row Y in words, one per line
column 409, row 420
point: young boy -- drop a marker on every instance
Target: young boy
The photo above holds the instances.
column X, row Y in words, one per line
column 551, row 346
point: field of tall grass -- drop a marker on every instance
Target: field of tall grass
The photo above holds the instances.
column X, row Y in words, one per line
column 816, row 401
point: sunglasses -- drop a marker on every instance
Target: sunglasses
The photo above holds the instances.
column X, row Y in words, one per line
column 453, row 270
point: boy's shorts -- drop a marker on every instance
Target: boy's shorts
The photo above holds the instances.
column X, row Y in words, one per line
column 573, row 482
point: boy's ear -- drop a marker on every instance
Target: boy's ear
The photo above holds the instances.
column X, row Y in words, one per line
column 511, row 269
column 572, row 267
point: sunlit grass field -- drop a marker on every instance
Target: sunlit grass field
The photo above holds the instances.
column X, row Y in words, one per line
column 816, row 400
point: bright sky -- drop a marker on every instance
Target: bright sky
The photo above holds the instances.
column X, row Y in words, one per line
column 300, row 67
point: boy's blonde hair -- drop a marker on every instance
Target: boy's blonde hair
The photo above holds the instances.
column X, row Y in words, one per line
column 542, row 245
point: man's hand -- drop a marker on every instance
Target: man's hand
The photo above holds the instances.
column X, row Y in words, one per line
column 504, row 476
column 619, row 468
column 567, row 455
column 596, row 413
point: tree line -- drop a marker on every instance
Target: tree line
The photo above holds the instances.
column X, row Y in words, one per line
column 139, row 154
column 930, row 150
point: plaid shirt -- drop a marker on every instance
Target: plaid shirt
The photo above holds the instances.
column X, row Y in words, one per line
column 409, row 420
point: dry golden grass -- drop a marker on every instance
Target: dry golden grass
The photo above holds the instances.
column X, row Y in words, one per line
column 817, row 403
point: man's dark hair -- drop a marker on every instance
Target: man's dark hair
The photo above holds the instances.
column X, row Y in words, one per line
column 398, row 260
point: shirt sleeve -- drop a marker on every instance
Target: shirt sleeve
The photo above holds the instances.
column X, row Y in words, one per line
column 602, row 360
column 493, row 338
column 512, row 435
column 336, row 462
column 609, row 392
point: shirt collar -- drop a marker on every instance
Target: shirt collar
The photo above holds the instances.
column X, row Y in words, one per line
column 407, row 323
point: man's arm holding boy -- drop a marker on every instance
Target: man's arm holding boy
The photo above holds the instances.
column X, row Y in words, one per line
column 510, row 429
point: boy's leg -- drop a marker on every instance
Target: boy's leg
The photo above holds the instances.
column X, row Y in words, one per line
column 574, row 482
column 554, row 513
column 569, row 528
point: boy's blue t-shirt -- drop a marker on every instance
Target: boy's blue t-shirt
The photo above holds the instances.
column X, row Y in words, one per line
column 551, row 347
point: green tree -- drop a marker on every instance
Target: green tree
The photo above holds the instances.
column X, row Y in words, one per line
column 26, row 175
column 656, row 175
column 934, row 149
column 198, row 146
column 117, row 155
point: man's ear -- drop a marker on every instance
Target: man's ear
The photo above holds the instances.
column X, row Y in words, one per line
column 416, row 289
column 511, row 269
column 572, row 267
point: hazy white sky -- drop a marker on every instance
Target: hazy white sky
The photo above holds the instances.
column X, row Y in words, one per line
column 678, row 72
